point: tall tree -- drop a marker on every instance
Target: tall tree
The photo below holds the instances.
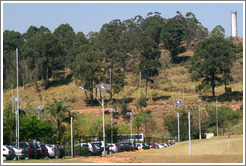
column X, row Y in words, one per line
column 44, row 54
column 172, row 34
column 149, row 62
column 59, row 112
column 11, row 41
column 207, row 62
column 66, row 35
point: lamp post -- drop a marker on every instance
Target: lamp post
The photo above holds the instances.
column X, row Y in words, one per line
column 39, row 108
column 131, row 114
column 111, row 110
column 101, row 88
column 217, row 124
column 178, row 102
column 200, row 131
column 17, row 100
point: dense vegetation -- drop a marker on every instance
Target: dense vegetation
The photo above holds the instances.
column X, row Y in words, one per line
column 119, row 49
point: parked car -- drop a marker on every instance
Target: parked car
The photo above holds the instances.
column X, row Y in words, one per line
column 53, row 150
column 112, row 148
column 37, row 151
column 139, row 146
column 45, row 153
column 60, row 147
column 100, row 144
column 8, row 153
column 125, row 147
column 91, row 149
column 21, row 153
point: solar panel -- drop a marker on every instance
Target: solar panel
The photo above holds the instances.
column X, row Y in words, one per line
column 39, row 107
column 101, row 87
column 130, row 113
column 16, row 99
column 178, row 102
column 111, row 110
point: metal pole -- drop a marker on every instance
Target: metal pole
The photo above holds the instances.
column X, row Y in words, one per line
column 141, row 82
column 200, row 132
column 189, row 134
column 72, row 137
column 228, row 143
column 18, row 134
column 131, row 128
column 178, row 124
column 111, row 126
column 217, row 119
column 110, row 70
column 104, row 148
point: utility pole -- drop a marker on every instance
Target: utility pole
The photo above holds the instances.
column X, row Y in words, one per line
column 217, row 119
column 18, row 134
column 189, row 134
column 72, row 136
column 178, row 124
column 110, row 81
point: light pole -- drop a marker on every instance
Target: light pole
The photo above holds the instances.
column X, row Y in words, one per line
column 111, row 110
column 101, row 88
column 189, row 134
column 17, row 100
column 72, row 137
column 39, row 108
column 200, row 131
column 131, row 114
column 217, row 119
column 178, row 102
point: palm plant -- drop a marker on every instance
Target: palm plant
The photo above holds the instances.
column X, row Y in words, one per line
column 59, row 112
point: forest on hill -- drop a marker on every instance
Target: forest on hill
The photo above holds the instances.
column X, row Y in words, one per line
column 144, row 60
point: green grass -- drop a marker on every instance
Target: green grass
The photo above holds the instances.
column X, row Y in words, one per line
column 212, row 150
column 203, row 151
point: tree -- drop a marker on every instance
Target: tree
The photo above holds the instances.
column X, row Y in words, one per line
column 66, row 35
column 44, row 54
column 218, row 30
column 31, row 127
column 207, row 62
column 8, row 122
column 149, row 61
column 107, row 41
column 152, row 26
column 172, row 34
column 59, row 112
column 11, row 41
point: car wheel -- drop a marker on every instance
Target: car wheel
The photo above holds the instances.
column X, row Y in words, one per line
column 15, row 158
column 110, row 152
column 26, row 158
column 4, row 158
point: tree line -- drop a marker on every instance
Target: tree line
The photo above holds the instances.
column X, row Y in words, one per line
column 132, row 45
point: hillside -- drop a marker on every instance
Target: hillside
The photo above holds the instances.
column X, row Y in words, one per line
column 173, row 82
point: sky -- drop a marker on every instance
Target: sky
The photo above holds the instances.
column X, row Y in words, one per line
column 86, row 17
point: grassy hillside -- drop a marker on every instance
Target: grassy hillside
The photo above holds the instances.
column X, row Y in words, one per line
column 173, row 82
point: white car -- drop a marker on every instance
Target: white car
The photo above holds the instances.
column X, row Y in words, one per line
column 139, row 146
column 53, row 151
column 112, row 148
column 8, row 153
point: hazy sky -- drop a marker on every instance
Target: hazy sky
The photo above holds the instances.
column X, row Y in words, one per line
column 86, row 17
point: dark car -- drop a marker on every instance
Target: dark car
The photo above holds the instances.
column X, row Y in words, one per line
column 21, row 153
column 125, row 147
column 37, row 152
column 61, row 149
column 44, row 154
column 100, row 146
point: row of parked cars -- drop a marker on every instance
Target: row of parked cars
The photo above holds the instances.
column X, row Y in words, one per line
column 32, row 150
column 96, row 148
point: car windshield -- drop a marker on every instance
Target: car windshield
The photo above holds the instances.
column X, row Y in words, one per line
column 9, row 147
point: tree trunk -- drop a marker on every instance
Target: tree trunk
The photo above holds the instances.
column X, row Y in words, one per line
column 146, row 89
column 58, row 127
